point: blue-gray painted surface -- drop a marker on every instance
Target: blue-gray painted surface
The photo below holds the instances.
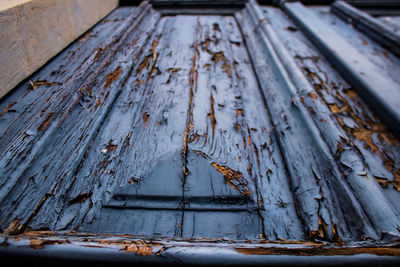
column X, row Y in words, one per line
column 196, row 126
column 378, row 30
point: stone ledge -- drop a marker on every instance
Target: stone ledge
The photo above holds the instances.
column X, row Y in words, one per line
column 33, row 31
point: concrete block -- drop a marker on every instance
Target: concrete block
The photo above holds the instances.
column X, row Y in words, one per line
column 45, row 26
column 34, row 31
column 13, row 67
column 4, row 5
column 97, row 9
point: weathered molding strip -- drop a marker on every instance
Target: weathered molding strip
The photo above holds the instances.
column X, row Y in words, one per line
column 34, row 31
column 93, row 70
column 68, row 247
column 294, row 129
column 327, row 137
column 373, row 85
column 377, row 7
column 374, row 28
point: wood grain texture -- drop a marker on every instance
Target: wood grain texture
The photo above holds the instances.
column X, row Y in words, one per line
column 51, row 140
column 196, row 126
column 325, row 210
column 217, row 150
column 347, row 123
column 347, row 182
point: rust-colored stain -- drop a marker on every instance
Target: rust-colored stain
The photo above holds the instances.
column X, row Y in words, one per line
column 204, row 44
column 226, row 65
column 336, row 237
column 258, row 159
column 7, row 108
column 105, row 164
column 81, row 198
column 111, row 147
column 145, row 118
column 385, row 182
column 302, row 58
column 207, row 66
column 312, row 95
column 39, row 239
column 238, row 127
column 198, row 152
column 211, row 115
column 99, row 54
column 127, row 141
column 86, row 36
column 86, row 89
column 227, row 68
column 195, row 137
column 385, row 54
column 141, row 250
column 321, row 232
column 193, row 77
column 239, row 112
column 261, row 22
column 234, row 178
column 46, row 122
column 39, row 243
column 216, row 27
column 139, row 247
column 112, row 77
column 145, row 64
column 351, row 93
column 335, row 109
column 365, row 128
column 153, row 47
column 235, row 66
column 139, row 82
column 249, row 140
column 364, row 42
column 37, row 83
column 174, row 70
column 14, row 227
column 153, row 70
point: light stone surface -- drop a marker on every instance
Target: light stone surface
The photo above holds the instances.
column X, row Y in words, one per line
column 6, row 4
column 13, row 67
column 81, row 10
column 32, row 32
column 45, row 29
